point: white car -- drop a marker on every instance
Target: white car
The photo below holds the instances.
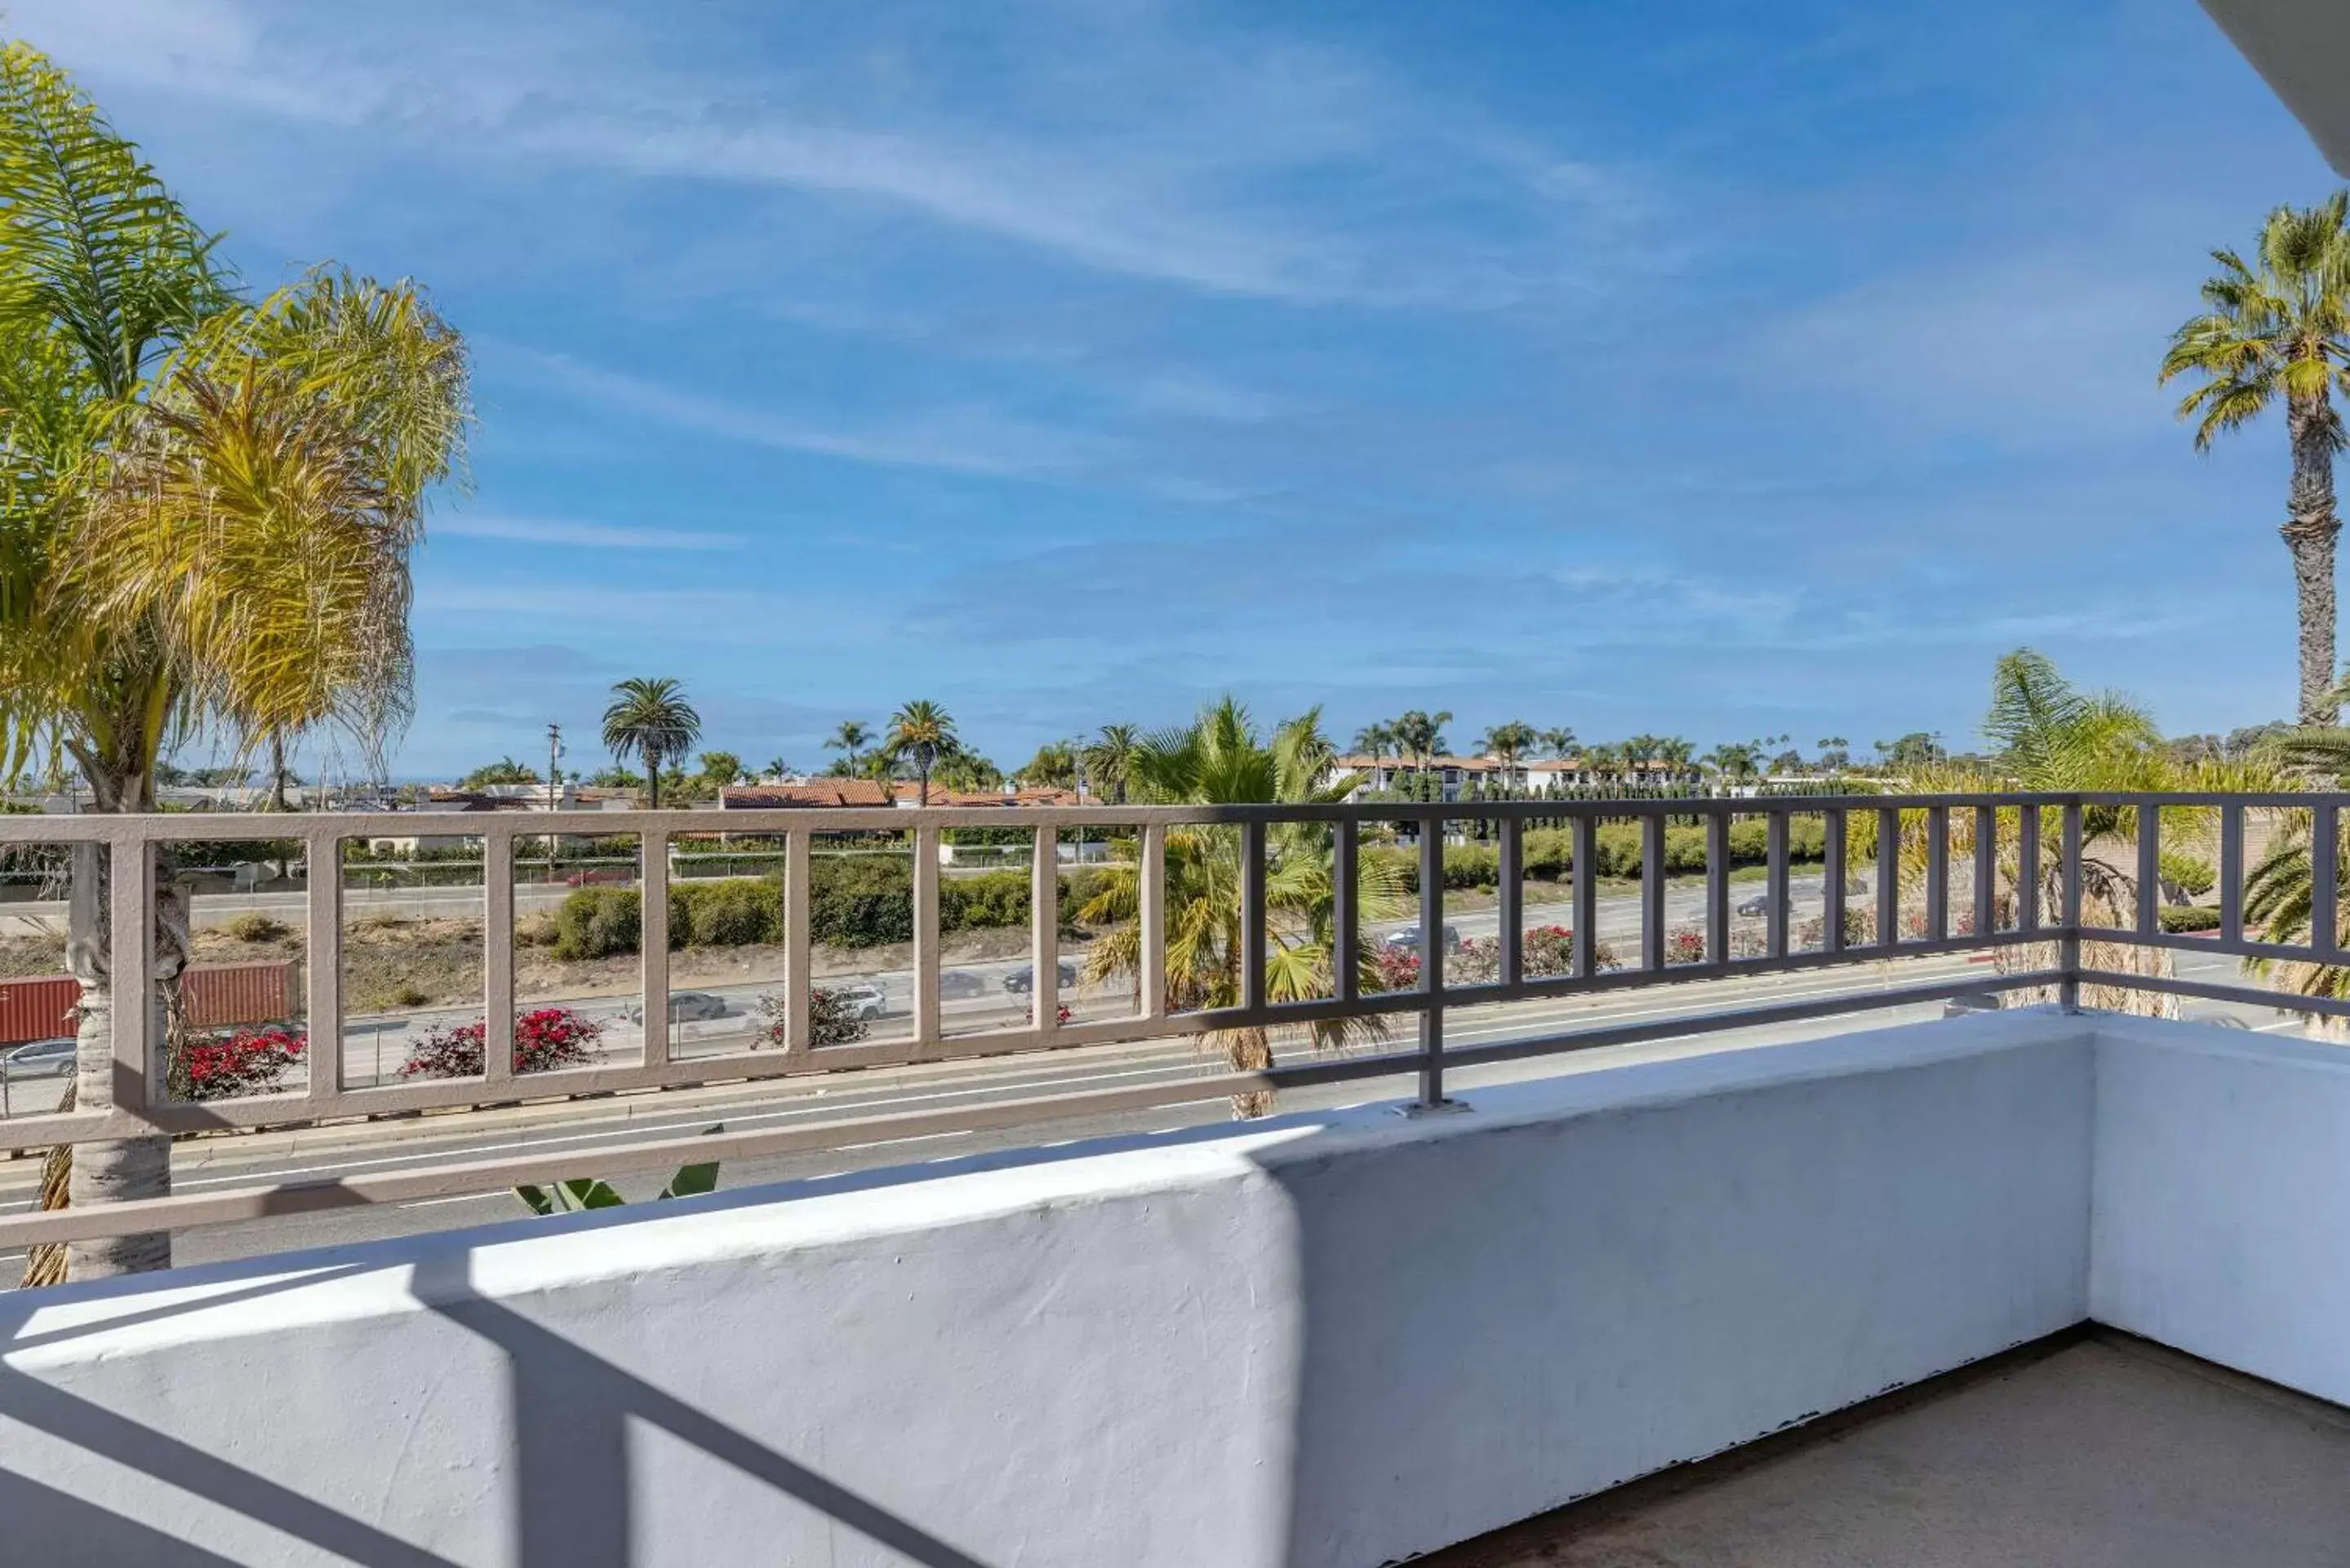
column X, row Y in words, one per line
column 865, row 1001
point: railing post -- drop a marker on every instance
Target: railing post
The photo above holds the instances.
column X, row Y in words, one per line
column 2068, row 954
column 139, row 1049
column 1716, row 881
column 652, row 943
column 1253, row 914
column 1044, row 933
column 1888, row 876
column 2324, row 880
column 2232, row 873
column 1345, row 914
column 497, row 957
column 1775, row 889
column 322, row 980
column 1832, row 879
column 1510, row 905
column 799, row 947
column 1652, row 890
column 1431, row 961
column 1586, row 917
column 1150, row 894
column 1986, row 870
column 2147, row 916
column 926, row 935
column 2027, row 867
column 1937, row 872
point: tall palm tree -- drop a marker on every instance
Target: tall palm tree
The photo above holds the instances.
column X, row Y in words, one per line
column 1421, row 734
column 1218, row 759
column 1375, row 740
column 2279, row 326
column 1559, row 742
column 920, row 733
column 849, row 738
column 651, row 721
column 205, row 522
column 1110, row 760
column 1506, row 743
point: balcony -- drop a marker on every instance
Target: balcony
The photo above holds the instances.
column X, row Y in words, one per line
column 1900, row 1259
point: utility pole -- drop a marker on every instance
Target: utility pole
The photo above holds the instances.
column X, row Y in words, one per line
column 554, row 750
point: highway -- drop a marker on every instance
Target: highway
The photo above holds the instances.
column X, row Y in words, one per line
column 216, row 1162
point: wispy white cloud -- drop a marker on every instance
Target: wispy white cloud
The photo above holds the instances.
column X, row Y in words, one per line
column 961, row 440
column 587, row 536
column 1133, row 143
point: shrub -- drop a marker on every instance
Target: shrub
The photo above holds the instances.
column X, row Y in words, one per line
column 253, row 926
column 830, row 1020
column 597, row 922
column 861, row 901
column 2193, row 873
column 2190, row 918
column 992, row 900
column 1396, row 968
column 245, row 1062
column 544, row 1039
column 735, row 912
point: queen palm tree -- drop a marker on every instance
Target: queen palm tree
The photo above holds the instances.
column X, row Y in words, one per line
column 1110, row 760
column 849, row 738
column 1374, row 740
column 651, row 721
column 1421, row 734
column 205, row 523
column 1559, row 742
column 921, row 733
column 2280, row 327
column 1218, row 759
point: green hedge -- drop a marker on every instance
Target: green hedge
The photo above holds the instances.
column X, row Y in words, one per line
column 2190, row 918
column 853, row 902
column 1548, row 853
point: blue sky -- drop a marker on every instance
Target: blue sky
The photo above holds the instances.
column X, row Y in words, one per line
column 1713, row 368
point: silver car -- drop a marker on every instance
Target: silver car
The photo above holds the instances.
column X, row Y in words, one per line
column 42, row 1059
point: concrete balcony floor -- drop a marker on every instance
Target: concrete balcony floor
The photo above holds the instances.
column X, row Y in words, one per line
column 2101, row 1451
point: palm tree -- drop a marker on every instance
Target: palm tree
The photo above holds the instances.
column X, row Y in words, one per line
column 1506, row 743
column 1110, row 760
column 1559, row 742
column 849, row 738
column 2280, row 326
column 650, row 720
column 1734, row 759
column 1218, row 759
column 1420, row 735
column 775, row 770
column 206, row 523
column 920, row 733
column 1374, row 740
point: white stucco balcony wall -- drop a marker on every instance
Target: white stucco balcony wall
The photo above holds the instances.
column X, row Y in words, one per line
column 1334, row 1339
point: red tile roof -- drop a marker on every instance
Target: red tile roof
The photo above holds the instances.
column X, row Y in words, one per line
column 815, row 792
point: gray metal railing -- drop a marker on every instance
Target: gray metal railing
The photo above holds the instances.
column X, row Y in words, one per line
column 1909, row 907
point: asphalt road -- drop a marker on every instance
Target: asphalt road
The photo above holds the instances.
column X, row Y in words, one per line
column 572, row 1130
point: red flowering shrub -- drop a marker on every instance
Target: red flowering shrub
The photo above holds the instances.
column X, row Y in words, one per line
column 544, row 1039
column 832, row 1020
column 1398, row 969
column 246, row 1062
column 1685, row 946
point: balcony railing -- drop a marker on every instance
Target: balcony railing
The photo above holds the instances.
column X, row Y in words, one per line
column 2020, row 859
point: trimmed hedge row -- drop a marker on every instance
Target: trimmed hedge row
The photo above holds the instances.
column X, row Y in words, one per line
column 852, row 903
column 1548, row 853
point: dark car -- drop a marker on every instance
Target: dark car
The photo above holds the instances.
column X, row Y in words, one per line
column 961, row 982
column 42, row 1059
column 1407, row 939
column 1023, row 980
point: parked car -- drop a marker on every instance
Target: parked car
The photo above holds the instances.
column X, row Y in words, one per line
column 961, row 982
column 1023, row 980
column 864, row 1001
column 41, row 1059
column 1758, row 905
column 1407, row 939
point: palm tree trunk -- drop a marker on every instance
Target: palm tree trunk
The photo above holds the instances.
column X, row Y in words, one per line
column 2309, row 534
column 652, row 781
column 75, row 1176
column 277, row 769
